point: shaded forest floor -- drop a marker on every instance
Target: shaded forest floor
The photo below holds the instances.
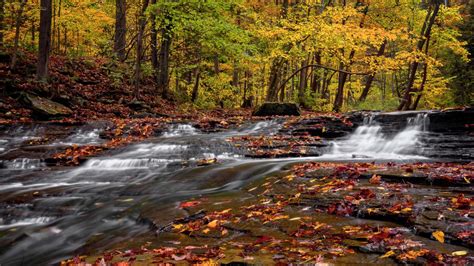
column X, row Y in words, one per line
column 91, row 89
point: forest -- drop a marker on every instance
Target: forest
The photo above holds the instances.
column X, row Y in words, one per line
column 268, row 132
column 323, row 55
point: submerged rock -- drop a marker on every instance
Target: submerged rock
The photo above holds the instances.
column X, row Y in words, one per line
column 46, row 109
column 273, row 108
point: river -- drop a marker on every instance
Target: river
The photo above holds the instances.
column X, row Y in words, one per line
column 48, row 213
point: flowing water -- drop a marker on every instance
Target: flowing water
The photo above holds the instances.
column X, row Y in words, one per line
column 369, row 141
column 49, row 213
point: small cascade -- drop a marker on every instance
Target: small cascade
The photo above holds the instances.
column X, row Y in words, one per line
column 180, row 130
column 123, row 164
column 24, row 164
column 27, row 221
column 141, row 156
column 368, row 140
column 150, row 149
column 84, row 137
column 420, row 121
column 269, row 127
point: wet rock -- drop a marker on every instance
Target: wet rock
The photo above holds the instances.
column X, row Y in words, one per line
column 324, row 127
column 272, row 108
column 138, row 106
column 147, row 115
column 452, row 120
column 46, row 109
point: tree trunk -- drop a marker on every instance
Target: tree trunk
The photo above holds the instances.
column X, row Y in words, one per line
column 2, row 22
column 44, row 39
column 425, row 33
column 216, row 65
column 316, row 82
column 273, row 87
column 195, row 93
column 138, row 62
column 58, row 44
column 164, row 55
column 18, row 22
column 235, row 76
column 425, row 75
column 303, row 83
column 370, row 78
column 120, row 29
column 33, row 33
column 339, row 100
column 154, row 43
column 65, row 40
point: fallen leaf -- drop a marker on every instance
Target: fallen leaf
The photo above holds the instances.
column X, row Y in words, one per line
column 252, row 189
column 189, row 204
column 375, row 179
column 388, row 254
column 213, row 224
column 459, row 253
column 439, row 235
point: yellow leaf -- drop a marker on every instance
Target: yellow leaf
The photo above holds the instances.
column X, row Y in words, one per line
column 279, row 217
column 467, row 180
column 225, row 211
column 439, row 235
column 459, row 253
column 207, row 230
column 388, row 254
column 178, row 226
column 213, row 224
column 224, row 232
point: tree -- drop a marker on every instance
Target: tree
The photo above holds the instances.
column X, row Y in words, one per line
column 44, row 39
column 120, row 29
column 138, row 61
column 406, row 101
column 18, row 23
column 2, row 22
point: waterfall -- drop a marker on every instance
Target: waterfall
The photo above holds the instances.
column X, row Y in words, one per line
column 368, row 140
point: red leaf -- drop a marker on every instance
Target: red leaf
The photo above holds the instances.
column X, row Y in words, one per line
column 189, row 204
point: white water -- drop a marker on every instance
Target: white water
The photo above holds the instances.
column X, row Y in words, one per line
column 368, row 141
column 24, row 163
column 123, row 164
column 82, row 138
column 180, row 130
column 271, row 127
column 26, row 221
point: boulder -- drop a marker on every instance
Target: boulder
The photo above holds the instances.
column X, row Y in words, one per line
column 271, row 109
column 46, row 109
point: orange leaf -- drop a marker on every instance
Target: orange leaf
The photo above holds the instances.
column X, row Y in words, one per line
column 439, row 235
